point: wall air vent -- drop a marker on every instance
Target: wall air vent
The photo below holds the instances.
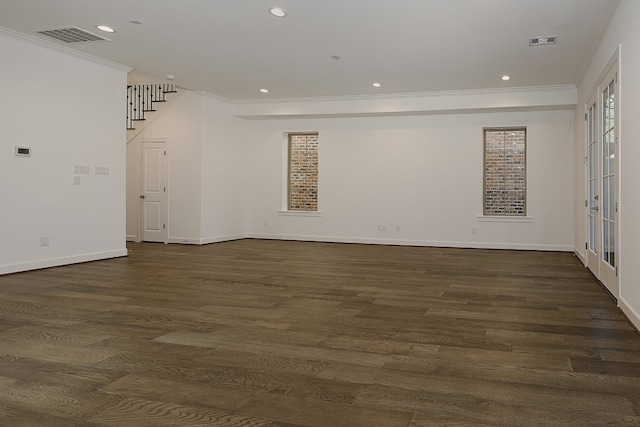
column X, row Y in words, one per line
column 541, row 41
column 72, row 34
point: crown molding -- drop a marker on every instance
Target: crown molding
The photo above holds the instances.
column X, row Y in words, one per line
column 62, row 49
column 530, row 98
column 214, row 96
column 404, row 95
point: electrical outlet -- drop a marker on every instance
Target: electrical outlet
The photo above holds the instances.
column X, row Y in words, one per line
column 266, row 223
column 397, row 228
column 473, row 230
column 382, row 227
column 44, row 241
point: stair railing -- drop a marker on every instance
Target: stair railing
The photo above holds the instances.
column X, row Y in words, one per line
column 140, row 99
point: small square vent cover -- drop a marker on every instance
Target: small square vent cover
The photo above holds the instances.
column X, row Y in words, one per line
column 542, row 41
column 72, row 34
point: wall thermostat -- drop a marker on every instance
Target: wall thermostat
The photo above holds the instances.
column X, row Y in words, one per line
column 23, row 151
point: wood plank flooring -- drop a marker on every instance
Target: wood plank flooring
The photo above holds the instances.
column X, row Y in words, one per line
column 275, row 333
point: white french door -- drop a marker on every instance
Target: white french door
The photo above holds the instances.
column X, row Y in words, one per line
column 602, row 182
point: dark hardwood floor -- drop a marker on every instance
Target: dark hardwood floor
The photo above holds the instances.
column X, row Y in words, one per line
column 274, row 333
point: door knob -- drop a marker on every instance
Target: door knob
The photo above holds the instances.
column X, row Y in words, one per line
column 142, row 196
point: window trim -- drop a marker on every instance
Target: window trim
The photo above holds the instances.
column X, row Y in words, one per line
column 507, row 217
column 300, row 213
column 286, row 174
column 504, row 218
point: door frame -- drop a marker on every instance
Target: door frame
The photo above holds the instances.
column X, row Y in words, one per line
column 165, row 205
column 607, row 275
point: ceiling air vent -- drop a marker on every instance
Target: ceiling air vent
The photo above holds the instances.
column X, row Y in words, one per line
column 72, row 35
column 541, row 41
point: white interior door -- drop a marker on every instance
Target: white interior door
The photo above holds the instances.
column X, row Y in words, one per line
column 153, row 195
column 602, row 182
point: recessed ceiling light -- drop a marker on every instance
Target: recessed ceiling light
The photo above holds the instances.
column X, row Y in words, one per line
column 264, row 90
column 376, row 84
column 277, row 12
column 136, row 22
column 336, row 57
column 105, row 28
column 505, row 78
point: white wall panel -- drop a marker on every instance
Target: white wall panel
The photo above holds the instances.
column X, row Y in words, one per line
column 69, row 110
column 422, row 174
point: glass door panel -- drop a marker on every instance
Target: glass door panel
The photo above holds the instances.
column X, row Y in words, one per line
column 592, row 178
column 608, row 175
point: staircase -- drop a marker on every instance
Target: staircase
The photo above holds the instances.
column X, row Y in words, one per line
column 142, row 99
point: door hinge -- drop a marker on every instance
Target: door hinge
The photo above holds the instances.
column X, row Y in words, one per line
column 586, row 204
column 165, row 152
column 164, row 226
column 586, row 245
column 585, row 117
column 616, row 271
column 616, row 207
column 164, row 189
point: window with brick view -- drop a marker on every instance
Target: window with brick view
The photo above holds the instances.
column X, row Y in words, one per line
column 303, row 172
column 505, row 177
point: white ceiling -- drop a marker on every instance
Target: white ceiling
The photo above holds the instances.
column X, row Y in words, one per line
column 232, row 48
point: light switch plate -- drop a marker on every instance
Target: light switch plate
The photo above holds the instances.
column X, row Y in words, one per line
column 81, row 169
column 102, row 170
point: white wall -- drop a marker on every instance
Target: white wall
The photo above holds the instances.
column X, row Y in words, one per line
column 422, row 174
column 181, row 127
column 623, row 31
column 224, row 173
column 206, row 171
column 69, row 110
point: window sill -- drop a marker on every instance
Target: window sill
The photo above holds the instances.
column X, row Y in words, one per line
column 483, row 218
column 300, row 213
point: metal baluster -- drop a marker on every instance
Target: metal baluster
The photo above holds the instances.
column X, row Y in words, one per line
column 136, row 101
column 141, row 98
column 128, row 115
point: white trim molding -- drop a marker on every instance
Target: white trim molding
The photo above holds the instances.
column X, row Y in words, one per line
column 308, row 214
column 553, row 97
column 56, row 262
column 485, row 218
column 205, row 240
column 627, row 309
column 63, row 49
column 407, row 242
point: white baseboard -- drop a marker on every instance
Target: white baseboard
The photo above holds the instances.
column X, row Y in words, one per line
column 632, row 315
column 183, row 241
column 407, row 242
column 55, row 262
column 217, row 239
column 581, row 256
column 205, row 240
column 131, row 238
